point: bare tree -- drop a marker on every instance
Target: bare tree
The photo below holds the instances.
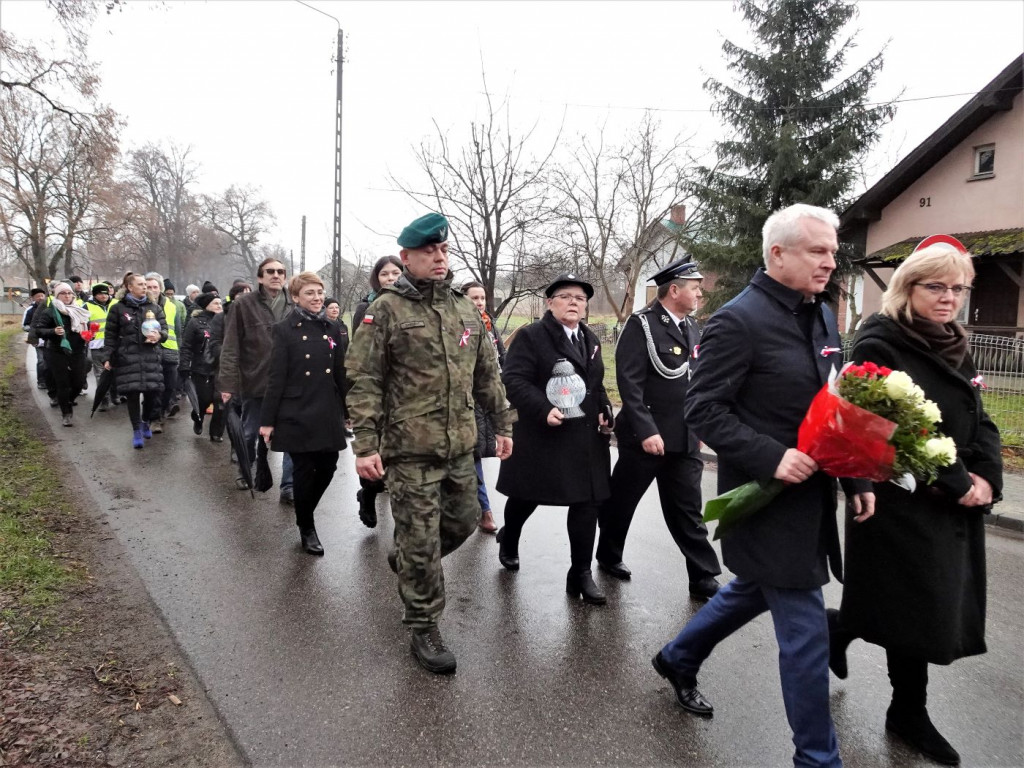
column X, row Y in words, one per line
column 68, row 83
column 243, row 216
column 489, row 188
column 165, row 211
column 53, row 172
column 614, row 204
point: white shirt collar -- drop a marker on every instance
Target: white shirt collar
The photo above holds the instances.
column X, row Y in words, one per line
column 571, row 332
column 668, row 312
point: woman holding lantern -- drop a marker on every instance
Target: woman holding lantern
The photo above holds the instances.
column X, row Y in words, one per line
column 554, row 377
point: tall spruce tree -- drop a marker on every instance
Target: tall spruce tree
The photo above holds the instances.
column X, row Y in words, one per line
column 800, row 127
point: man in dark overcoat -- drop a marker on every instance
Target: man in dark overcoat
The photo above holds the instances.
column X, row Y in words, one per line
column 763, row 357
column 562, row 460
column 652, row 366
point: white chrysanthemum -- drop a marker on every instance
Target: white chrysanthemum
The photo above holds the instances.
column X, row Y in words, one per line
column 899, row 386
column 941, row 448
column 931, row 411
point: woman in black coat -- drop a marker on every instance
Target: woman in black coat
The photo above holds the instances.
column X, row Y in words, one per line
column 133, row 352
column 557, row 460
column 60, row 326
column 303, row 408
column 199, row 356
column 915, row 572
column 385, row 272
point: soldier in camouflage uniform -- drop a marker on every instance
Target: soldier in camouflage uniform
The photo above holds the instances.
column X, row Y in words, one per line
column 415, row 369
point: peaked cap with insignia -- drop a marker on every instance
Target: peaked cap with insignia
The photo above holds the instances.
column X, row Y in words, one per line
column 678, row 270
column 426, row 230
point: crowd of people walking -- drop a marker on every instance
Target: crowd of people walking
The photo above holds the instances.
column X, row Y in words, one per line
column 425, row 389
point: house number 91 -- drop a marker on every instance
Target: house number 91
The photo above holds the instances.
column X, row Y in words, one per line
column 924, row 202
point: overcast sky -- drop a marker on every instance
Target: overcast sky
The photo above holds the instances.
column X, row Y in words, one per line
column 250, row 84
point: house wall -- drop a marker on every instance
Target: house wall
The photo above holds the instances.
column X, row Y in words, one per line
column 954, row 202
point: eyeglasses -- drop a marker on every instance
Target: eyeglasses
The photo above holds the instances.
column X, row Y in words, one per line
column 576, row 297
column 939, row 289
column 269, row 271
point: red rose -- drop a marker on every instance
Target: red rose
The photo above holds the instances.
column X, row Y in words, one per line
column 884, row 371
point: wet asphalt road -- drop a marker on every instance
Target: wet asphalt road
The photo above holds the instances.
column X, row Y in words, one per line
column 308, row 664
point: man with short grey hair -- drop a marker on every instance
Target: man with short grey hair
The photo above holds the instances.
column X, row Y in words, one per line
column 763, row 357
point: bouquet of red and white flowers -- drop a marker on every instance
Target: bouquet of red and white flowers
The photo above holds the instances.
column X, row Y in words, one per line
column 871, row 422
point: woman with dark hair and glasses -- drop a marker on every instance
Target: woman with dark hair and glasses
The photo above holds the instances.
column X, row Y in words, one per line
column 385, row 272
column 915, row 572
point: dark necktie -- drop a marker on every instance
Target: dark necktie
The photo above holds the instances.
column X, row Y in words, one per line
column 577, row 340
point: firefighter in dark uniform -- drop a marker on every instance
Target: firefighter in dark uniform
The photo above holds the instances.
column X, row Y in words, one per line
column 653, row 357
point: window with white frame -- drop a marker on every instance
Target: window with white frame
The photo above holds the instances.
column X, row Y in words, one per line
column 985, row 161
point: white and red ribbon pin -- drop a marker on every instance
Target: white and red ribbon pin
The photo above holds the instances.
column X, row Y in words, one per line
column 331, row 342
column 826, row 351
column 979, row 382
column 465, row 338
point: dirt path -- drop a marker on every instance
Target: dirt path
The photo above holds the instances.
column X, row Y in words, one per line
column 94, row 680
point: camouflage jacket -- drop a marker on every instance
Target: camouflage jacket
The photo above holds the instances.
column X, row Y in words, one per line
column 415, row 369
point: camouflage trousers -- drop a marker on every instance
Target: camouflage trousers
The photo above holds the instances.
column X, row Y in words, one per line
column 435, row 509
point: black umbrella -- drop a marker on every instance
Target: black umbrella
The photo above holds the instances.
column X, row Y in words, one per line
column 102, row 388
column 264, row 480
column 189, row 389
column 233, row 422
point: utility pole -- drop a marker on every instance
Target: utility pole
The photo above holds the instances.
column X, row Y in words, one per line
column 302, row 252
column 336, row 259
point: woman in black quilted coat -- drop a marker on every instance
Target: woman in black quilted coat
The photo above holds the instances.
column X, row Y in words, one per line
column 134, row 355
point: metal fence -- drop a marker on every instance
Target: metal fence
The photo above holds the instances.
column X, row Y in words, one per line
column 1000, row 362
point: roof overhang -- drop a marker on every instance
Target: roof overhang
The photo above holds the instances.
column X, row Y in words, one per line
column 995, row 97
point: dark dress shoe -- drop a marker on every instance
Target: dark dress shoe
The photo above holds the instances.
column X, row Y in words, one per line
column 511, row 562
column 838, row 640
column 287, row 497
column 393, row 560
column 916, row 729
column 367, row 508
column 216, row 439
column 310, row 541
column 430, row 651
column 582, row 585
column 619, row 570
column 704, row 589
column 688, row 696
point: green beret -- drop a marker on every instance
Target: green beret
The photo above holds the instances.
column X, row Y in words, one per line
column 432, row 228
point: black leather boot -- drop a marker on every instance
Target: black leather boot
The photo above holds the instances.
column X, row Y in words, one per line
column 310, row 541
column 907, row 716
column 582, row 585
column 505, row 553
column 367, row 507
column 838, row 640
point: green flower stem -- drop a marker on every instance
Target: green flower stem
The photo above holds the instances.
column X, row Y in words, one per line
column 733, row 507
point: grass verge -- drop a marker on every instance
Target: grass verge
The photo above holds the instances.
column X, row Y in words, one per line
column 33, row 574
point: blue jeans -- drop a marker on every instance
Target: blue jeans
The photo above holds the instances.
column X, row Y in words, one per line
column 801, row 630
column 481, row 489
column 251, row 426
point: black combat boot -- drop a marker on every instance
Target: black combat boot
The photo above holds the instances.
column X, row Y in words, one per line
column 431, row 652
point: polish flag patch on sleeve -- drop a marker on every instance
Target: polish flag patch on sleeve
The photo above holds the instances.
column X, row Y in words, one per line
column 368, row 319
